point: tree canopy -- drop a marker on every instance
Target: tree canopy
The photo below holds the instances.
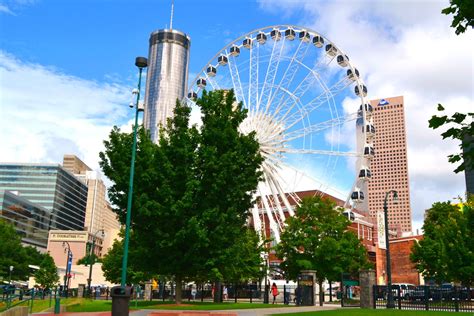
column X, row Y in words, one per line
column 316, row 238
column 461, row 128
column 446, row 252
column 47, row 275
column 463, row 12
column 13, row 253
column 192, row 192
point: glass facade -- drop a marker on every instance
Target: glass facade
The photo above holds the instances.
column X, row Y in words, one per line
column 32, row 222
column 51, row 187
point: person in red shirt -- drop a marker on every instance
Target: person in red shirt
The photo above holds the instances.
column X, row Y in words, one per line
column 274, row 292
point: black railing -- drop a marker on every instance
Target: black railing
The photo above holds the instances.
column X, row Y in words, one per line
column 424, row 297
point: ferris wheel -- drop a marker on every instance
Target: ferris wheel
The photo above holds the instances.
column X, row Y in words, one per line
column 307, row 104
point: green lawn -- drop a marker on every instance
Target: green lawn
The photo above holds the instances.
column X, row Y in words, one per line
column 364, row 312
column 87, row 305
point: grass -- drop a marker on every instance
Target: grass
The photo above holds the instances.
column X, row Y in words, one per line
column 87, row 305
column 368, row 312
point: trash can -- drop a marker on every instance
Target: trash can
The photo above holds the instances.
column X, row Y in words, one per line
column 120, row 299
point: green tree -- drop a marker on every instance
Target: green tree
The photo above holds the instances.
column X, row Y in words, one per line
column 12, row 253
column 112, row 264
column 192, row 193
column 446, row 252
column 461, row 128
column 316, row 238
column 47, row 275
column 463, row 11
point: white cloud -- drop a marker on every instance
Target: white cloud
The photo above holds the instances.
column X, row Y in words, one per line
column 404, row 48
column 46, row 113
column 6, row 9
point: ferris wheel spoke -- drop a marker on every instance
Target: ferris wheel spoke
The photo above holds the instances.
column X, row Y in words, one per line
column 320, row 152
column 289, row 74
column 257, row 222
column 275, row 203
column 253, row 78
column 268, row 211
column 315, row 128
column 281, row 193
column 271, row 73
column 236, row 83
column 214, row 84
column 317, row 102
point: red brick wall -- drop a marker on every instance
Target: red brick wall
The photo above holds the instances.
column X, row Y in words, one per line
column 403, row 270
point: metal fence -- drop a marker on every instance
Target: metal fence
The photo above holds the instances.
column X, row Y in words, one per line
column 445, row 298
column 252, row 293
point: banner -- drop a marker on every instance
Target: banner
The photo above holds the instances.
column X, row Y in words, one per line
column 381, row 230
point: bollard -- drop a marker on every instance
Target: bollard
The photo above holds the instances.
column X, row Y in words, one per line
column 57, row 305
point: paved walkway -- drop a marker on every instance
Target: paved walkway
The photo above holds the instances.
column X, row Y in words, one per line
column 239, row 312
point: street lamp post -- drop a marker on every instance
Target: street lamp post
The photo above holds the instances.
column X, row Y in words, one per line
column 265, row 294
column 11, row 269
column 141, row 63
column 67, row 249
column 390, row 301
column 91, row 258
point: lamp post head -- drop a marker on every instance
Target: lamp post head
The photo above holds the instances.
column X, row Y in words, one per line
column 141, row 62
column 11, row 268
column 395, row 197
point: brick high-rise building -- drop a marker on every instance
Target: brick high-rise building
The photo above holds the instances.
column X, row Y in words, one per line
column 389, row 166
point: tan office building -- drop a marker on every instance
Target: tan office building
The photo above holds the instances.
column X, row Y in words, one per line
column 389, row 166
column 99, row 214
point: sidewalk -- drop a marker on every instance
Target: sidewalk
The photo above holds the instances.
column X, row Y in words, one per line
column 238, row 312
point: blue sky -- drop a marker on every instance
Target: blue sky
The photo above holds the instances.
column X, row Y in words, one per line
column 99, row 40
column 67, row 68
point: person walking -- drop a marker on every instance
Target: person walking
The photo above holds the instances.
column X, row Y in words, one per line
column 274, row 292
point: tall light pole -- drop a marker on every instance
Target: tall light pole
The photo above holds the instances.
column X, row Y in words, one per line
column 390, row 301
column 92, row 259
column 141, row 63
column 265, row 294
column 67, row 249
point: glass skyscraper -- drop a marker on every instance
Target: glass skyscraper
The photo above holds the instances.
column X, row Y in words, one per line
column 167, row 75
column 50, row 187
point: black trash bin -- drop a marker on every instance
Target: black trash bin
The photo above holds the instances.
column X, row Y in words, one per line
column 120, row 300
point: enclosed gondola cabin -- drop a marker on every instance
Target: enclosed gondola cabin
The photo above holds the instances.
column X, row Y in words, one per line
column 290, row 34
column 211, row 71
column 331, row 50
column 222, row 60
column 275, row 34
column 192, row 96
column 304, row 36
column 349, row 214
column 343, row 60
column 261, row 38
column 369, row 130
column 201, row 83
column 365, row 174
column 247, row 43
column 369, row 151
column 353, row 75
column 358, row 91
column 357, row 196
column 235, row 51
column 318, row 41
column 368, row 110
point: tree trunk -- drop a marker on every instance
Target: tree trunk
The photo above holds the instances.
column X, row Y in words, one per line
column 217, row 292
column 330, row 291
column 321, row 293
column 179, row 289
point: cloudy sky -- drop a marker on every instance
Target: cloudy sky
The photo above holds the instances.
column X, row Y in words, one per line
column 66, row 69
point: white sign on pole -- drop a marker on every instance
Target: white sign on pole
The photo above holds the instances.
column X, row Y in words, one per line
column 381, row 230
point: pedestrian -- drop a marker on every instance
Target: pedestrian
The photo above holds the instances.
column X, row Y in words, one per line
column 212, row 291
column 193, row 292
column 224, row 292
column 274, row 291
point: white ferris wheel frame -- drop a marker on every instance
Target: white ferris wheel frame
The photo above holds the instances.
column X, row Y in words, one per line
column 258, row 102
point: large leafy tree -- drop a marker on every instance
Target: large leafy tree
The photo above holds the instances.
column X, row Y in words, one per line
column 463, row 14
column 446, row 252
column 192, row 191
column 316, row 238
column 47, row 275
column 12, row 253
column 461, row 128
